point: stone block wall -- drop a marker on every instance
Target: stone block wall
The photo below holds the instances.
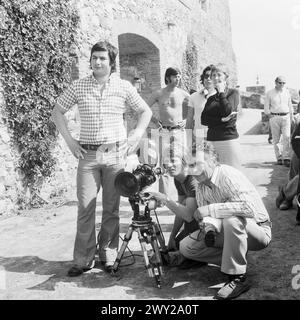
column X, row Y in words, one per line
column 151, row 36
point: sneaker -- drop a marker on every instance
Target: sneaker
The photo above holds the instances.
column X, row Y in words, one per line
column 233, row 288
column 210, row 238
column 280, row 162
column 287, row 162
column 286, row 205
column 280, row 198
column 270, row 140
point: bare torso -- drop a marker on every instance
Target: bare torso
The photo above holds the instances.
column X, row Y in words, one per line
column 171, row 104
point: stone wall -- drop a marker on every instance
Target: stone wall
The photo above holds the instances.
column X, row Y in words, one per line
column 165, row 24
column 150, row 36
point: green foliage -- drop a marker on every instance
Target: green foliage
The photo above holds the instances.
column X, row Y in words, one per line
column 37, row 38
column 190, row 66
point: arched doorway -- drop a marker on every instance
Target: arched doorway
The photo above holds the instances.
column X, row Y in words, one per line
column 140, row 60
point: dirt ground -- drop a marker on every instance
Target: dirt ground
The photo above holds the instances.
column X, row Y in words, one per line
column 36, row 248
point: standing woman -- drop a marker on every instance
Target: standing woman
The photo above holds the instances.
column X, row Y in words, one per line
column 220, row 115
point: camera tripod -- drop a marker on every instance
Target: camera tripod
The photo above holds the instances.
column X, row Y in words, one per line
column 148, row 233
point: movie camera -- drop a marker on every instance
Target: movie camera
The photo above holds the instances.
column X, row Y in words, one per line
column 131, row 185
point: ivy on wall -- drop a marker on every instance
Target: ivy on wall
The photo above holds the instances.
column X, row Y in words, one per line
column 37, row 37
column 190, row 66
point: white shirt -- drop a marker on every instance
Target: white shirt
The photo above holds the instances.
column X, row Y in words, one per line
column 278, row 101
column 197, row 101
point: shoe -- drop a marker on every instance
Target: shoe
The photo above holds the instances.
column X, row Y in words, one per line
column 191, row 264
column 233, row 288
column 77, row 271
column 210, row 238
column 280, row 198
column 109, row 268
column 287, row 162
column 286, row 205
column 270, row 140
column 279, row 161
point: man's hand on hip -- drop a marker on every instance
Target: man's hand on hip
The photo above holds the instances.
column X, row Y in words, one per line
column 76, row 149
column 133, row 140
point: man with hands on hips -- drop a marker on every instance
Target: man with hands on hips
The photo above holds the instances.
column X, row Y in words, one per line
column 102, row 99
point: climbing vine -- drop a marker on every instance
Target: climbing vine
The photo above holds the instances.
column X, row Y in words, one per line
column 190, row 66
column 37, row 40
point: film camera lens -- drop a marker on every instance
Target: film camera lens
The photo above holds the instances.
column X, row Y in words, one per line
column 129, row 184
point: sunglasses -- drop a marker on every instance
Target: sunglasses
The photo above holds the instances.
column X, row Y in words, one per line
column 207, row 76
column 279, row 82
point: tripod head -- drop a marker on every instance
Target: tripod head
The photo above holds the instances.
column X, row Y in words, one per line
column 150, row 205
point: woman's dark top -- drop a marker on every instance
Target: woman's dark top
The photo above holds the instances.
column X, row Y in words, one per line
column 217, row 107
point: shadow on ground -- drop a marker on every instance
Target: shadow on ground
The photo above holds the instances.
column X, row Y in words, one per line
column 272, row 266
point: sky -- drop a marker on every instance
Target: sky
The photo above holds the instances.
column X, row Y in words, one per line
column 266, row 41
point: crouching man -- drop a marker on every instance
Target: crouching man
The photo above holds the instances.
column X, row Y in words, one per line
column 225, row 194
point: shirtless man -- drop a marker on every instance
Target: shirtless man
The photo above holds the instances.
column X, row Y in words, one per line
column 171, row 101
column 172, row 104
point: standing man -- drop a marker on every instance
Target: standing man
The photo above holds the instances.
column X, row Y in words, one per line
column 278, row 106
column 102, row 99
column 172, row 102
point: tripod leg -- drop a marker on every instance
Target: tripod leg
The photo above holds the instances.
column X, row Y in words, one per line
column 157, row 267
column 160, row 238
column 144, row 249
column 127, row 238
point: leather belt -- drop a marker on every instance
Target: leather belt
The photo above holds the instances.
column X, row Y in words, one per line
column 279, row 114
column 116, row 145
column 267, row 223
column 90, row 146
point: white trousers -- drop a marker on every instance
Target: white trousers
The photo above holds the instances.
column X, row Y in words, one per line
column 281, row 126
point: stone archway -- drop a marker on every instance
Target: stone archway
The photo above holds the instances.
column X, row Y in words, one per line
column 139, row 58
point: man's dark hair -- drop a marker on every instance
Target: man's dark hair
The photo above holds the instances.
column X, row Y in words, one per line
column 208, row 68
column 171, row 72
column 112, row 52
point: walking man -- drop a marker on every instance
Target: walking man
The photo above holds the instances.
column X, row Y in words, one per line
column 278, row 106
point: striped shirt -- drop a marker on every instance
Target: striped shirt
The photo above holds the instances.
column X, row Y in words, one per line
column 101, row 107
column 231, row 194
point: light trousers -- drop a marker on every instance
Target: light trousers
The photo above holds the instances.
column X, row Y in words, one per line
column 91, row 175
column 281, row 126
column 237, row 237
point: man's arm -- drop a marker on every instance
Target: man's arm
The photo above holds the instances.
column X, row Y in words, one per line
column 61, row 124
column 178, row 222
column 225, row 210
column 151, row 101
column 144, row 116
column 185, row 212
column 291, row 109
